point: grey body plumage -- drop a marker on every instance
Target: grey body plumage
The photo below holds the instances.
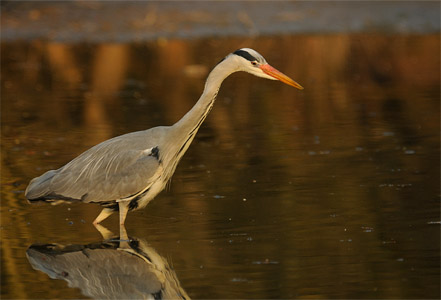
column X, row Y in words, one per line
column 107, row 172
column 127, row 172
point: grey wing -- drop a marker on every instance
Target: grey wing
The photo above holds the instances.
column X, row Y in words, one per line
column 106, row 172
column 119, row 176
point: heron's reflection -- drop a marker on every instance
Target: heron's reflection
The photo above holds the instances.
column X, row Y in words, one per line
column 118, row 268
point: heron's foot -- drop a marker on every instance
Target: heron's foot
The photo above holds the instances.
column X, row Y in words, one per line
column 123, row 233
column 110, row 236
column 123, row 238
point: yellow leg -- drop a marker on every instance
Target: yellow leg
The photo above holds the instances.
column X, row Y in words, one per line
column 103, row 215
column 123, row 237
column 123, row 209
column 106, row 233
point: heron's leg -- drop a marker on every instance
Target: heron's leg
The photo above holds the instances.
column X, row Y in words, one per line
column 106, row 233
column 123, row 210
column 123, row 238
column 103, row 215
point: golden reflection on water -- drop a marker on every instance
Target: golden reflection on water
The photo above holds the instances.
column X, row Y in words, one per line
column 327, row 192
column 115, row 268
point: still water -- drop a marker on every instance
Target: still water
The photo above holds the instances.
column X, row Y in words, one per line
column 329, row 192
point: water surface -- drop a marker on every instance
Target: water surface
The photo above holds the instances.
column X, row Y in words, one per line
column 329, row 192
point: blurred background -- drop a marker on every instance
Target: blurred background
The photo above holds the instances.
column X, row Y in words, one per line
column 329, row 192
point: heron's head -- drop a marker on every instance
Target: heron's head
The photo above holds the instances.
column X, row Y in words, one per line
column 251, row 61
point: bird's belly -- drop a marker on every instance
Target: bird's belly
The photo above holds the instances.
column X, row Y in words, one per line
column 152, row 192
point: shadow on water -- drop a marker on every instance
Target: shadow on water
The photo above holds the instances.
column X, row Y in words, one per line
column 111, row 269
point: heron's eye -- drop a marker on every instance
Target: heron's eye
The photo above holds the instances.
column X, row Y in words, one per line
column 254, row 63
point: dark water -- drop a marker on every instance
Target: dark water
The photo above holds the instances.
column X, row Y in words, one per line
column 330, row 192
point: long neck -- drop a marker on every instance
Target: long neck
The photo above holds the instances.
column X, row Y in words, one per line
column 192, row 120
column 182, row 133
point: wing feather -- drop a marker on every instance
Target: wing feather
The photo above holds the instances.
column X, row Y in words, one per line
column 115, row 169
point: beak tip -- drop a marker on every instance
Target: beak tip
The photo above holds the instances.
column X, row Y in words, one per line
column 280, row 76
column 296, row 85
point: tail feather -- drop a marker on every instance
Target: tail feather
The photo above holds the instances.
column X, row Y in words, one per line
column 39, row 187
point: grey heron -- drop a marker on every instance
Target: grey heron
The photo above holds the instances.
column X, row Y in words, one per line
column 126, row 172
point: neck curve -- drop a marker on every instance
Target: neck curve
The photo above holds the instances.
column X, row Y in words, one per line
column 194, row 118
column 182, row 133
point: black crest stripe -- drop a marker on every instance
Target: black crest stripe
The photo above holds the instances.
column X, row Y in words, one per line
column 245, row 55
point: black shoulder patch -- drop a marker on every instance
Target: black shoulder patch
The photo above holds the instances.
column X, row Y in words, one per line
column 245, row 55
column 155, row 153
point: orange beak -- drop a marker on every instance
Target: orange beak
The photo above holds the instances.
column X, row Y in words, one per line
column 280, row 76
